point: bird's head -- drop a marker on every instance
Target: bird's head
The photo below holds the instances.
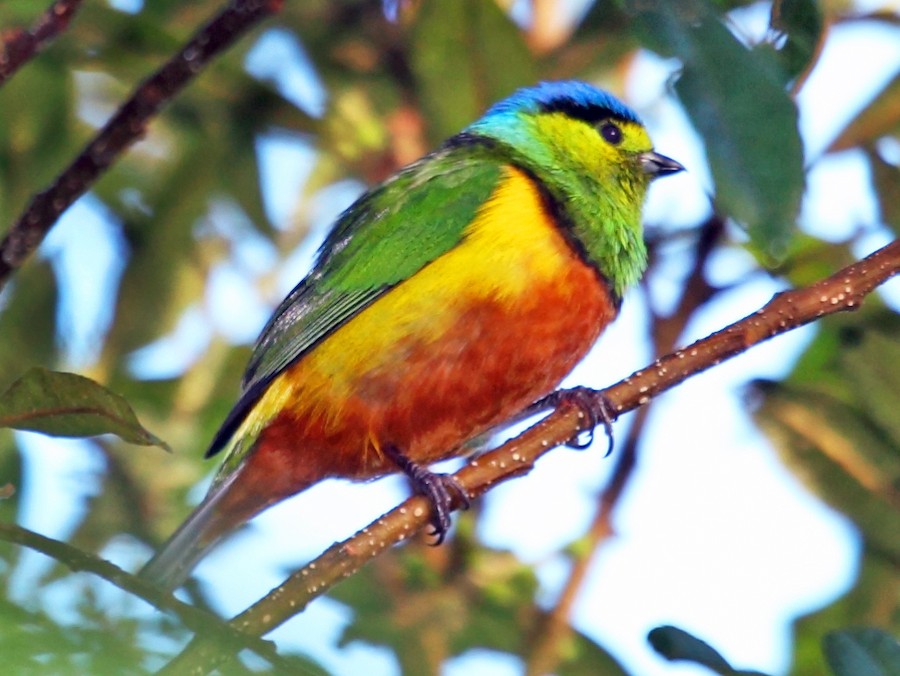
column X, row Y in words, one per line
column 593, row 156
column 572, row 126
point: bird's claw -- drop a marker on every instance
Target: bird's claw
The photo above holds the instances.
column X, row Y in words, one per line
column 438, row 488
column 595, row 407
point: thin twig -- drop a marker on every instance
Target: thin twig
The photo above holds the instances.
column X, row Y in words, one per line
column 195, row 619
column 845, row 290
column 126, row 126
column 18, row 46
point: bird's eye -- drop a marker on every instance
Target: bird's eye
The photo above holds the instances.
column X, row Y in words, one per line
column 611, row 133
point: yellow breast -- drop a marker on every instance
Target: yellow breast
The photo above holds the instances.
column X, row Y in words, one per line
column 511, row 245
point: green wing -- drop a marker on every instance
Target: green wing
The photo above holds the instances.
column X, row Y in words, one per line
column 385, row 237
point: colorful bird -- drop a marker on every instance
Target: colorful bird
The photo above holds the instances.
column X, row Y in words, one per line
column 443, row 302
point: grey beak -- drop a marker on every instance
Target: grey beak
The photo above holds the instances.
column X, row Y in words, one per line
column 659, row 165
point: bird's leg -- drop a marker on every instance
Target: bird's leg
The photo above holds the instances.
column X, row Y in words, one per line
column 596, row 407
column 436, row 487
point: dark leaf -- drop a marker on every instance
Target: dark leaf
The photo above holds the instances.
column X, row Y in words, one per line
column 676, row 644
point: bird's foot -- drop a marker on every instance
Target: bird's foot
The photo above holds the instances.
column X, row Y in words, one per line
column 438, row 488
column 595, row 407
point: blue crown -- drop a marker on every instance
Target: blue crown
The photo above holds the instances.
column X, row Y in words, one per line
column 573, row 97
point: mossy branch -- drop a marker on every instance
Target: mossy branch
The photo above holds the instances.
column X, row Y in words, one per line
column 842, row 291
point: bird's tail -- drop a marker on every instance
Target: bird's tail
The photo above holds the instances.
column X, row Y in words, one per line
column 202, row 530
column 229, row 504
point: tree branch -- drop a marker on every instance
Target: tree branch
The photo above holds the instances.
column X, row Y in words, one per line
column 845, row 290
column 126, row 126
column 18, row 46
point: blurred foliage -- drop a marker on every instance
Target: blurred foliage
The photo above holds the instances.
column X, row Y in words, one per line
column 428, row 605
column 834, row 422
column 398, row 77
column 862, row 651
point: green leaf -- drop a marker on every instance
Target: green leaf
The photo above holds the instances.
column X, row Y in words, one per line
column 10, row 480
column 68, row 405
column 252, row 108
column 20, row 14
column 466, row 55
column 863, row 651
column 584, row 657
column 598, row 49
column 870, row 362
column 401, row 597
column 838, row 453
column 748, row 122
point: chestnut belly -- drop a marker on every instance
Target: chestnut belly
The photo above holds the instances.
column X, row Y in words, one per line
column 429, row 394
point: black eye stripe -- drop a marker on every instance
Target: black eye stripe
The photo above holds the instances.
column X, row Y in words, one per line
column 611, row 133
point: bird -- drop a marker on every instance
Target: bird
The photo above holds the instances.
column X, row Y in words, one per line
column 443, row 301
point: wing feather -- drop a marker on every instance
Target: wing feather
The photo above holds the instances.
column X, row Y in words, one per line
column 385, row 237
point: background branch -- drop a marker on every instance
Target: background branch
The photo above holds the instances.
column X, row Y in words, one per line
column 125, row 127
column 844, row 290
column 18, row 46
